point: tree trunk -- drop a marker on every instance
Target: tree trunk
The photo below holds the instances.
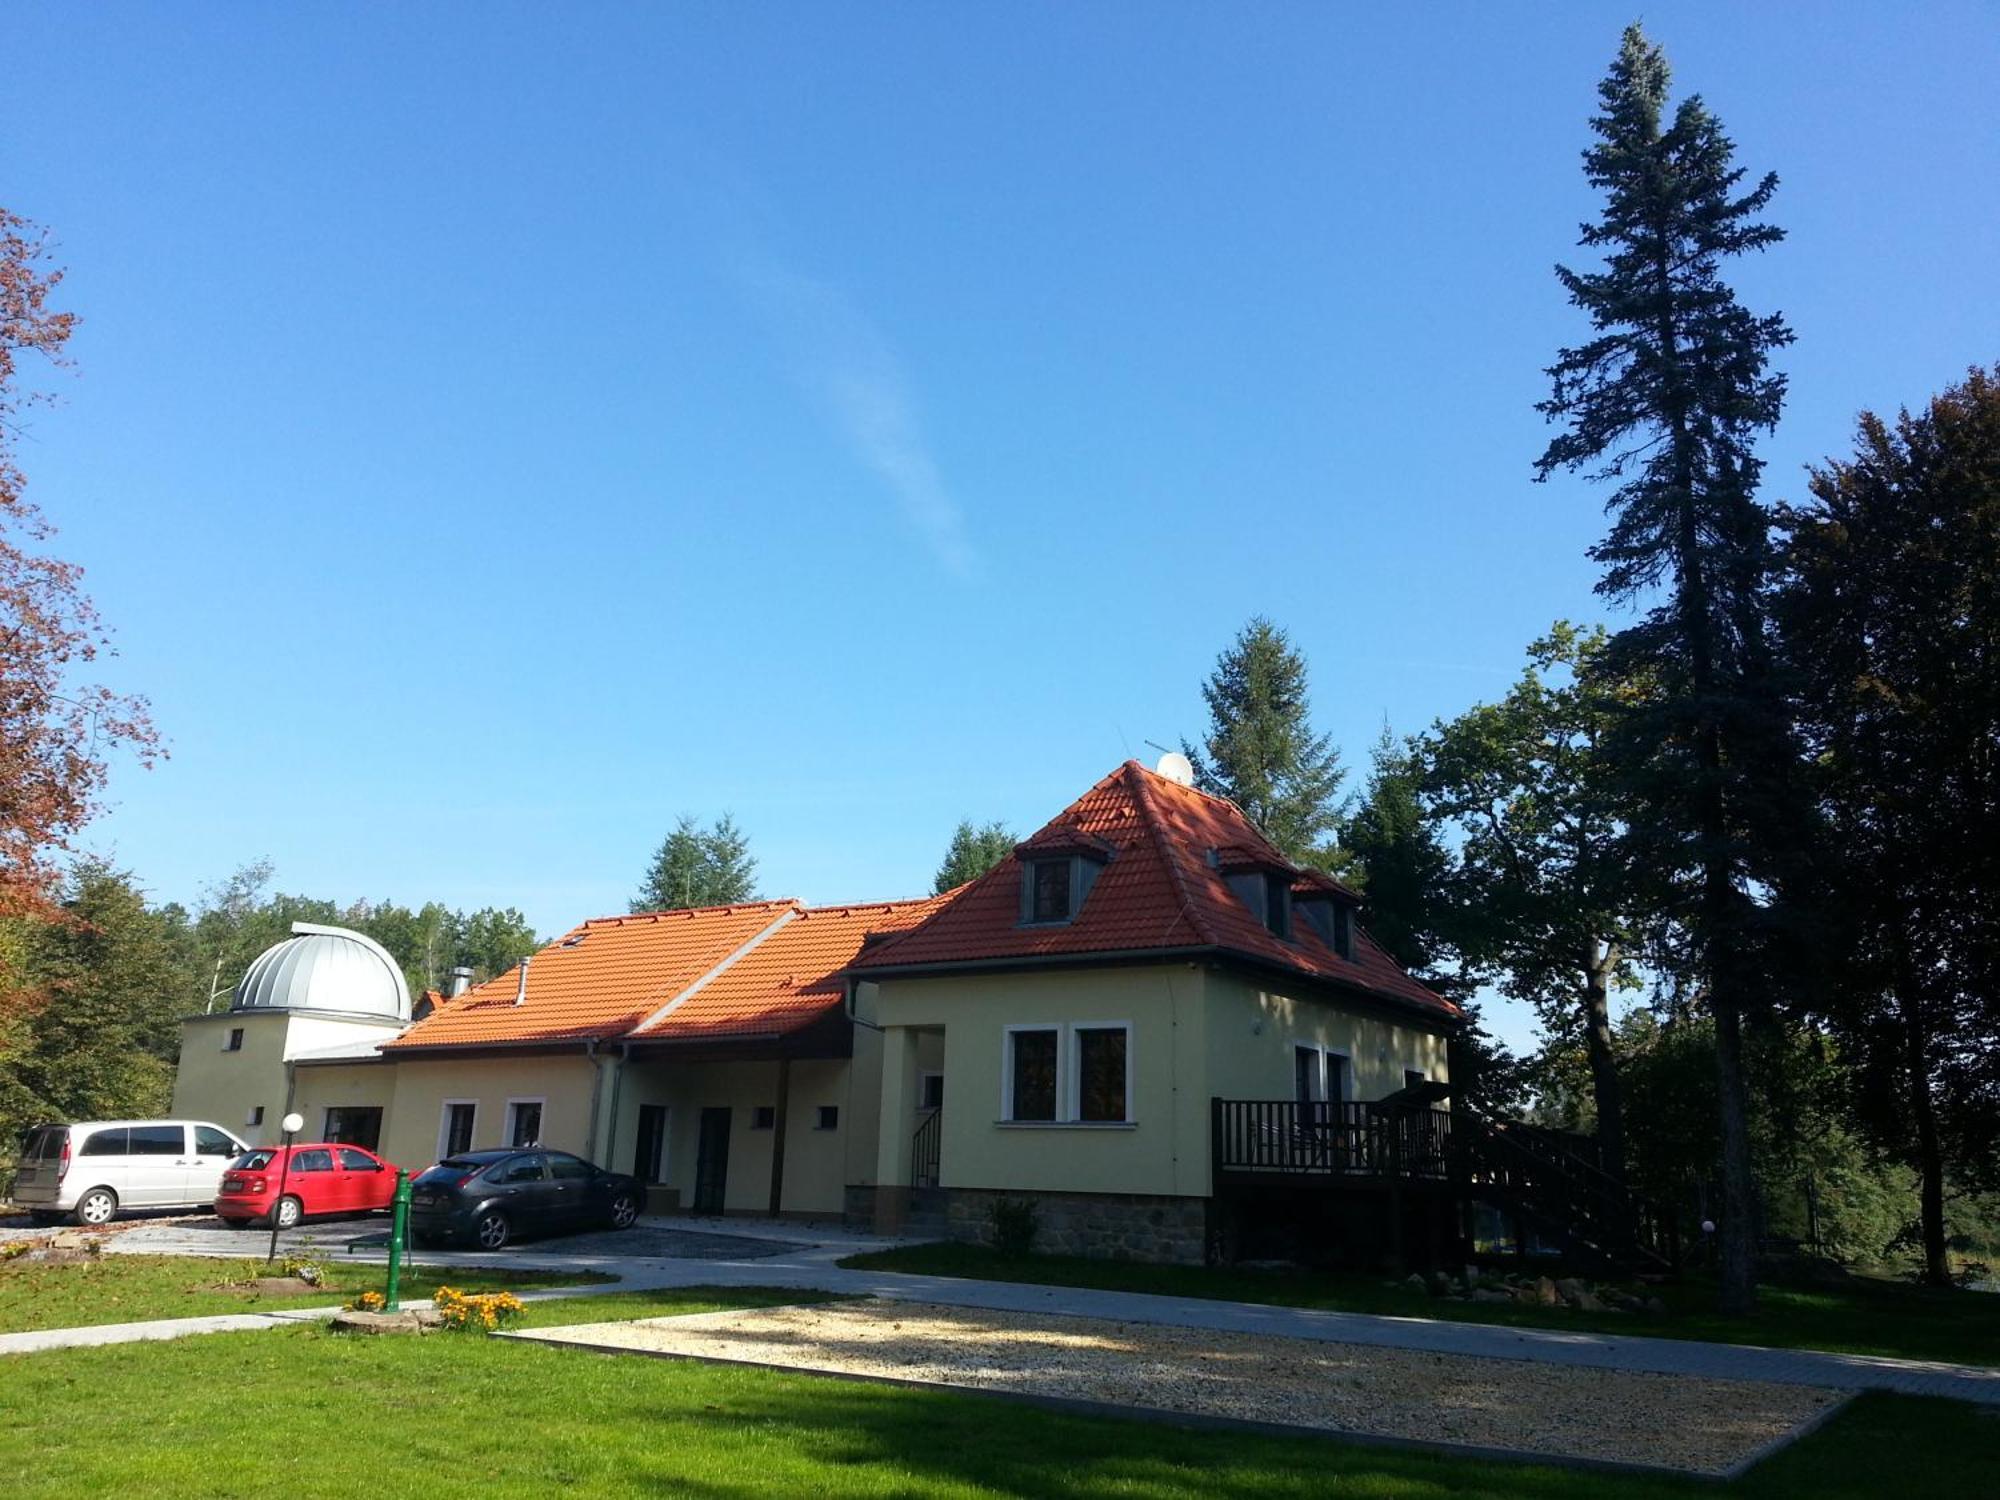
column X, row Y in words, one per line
column 1604, row 1082
column 1930, row 1153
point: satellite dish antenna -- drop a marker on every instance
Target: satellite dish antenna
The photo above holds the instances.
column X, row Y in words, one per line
column 1175, row 767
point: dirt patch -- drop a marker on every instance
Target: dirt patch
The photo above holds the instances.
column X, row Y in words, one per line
column 269, row 1286
column 1702, row 1426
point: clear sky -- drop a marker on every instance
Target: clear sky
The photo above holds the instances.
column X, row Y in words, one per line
column 500, row 428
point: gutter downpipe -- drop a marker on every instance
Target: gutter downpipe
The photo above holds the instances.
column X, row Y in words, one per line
column 596, row 1088
column 617, row 1083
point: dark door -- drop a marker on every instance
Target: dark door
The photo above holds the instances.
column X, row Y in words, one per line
column 648, row 1158
column 525, row 1192
column 711, row 1161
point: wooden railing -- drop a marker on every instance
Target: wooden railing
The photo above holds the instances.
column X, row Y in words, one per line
column 924, row 1148
column 1288, row 1137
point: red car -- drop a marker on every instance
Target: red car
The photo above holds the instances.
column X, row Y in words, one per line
column 322, row 1179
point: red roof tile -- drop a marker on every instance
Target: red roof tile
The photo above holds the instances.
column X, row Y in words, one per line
column 1158, row 891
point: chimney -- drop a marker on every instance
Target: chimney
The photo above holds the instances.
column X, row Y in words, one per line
column 461, row 981
column 521, row 994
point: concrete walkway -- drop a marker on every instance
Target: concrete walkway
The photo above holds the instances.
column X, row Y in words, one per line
column 811, row 1266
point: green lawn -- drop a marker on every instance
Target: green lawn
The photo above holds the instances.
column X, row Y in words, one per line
column 133, row 1288
column 463, row 1415
column 1871, row 1317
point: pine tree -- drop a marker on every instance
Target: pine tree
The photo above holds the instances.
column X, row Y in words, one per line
column 698, row 866
column 1261, row 751
column 971, row 853
column 1668, row 399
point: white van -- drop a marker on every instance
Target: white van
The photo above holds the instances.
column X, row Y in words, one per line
column 92, row 1169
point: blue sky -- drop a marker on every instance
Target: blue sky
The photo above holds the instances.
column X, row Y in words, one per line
column 501, row 428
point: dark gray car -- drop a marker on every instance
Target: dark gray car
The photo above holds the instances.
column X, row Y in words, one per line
column 490, row 1197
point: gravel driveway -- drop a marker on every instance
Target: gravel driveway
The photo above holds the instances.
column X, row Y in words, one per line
column 1702, row 1426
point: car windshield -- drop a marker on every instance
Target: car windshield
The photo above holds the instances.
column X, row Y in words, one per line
column 254, row 1161
column 449, row 1170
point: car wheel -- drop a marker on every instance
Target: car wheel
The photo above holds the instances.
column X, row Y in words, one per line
column 624, row 1209
column 288, row 1212
column 491, row 1231
column 98, row 1206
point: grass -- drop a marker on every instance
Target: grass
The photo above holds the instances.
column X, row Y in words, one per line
column 1869, row 1317
column 466, row 1416
column 134, row 1288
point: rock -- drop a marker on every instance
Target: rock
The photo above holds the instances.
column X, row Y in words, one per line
column 1267, row 1265
column 1569, row 1289
column 1654, row 1305
column 1490, row 1294
column 410, row 1320
column 1440, row 1284
column 1545, row 1292
column 69, row 1239
column 1584, row 1301
column 1415, row 1282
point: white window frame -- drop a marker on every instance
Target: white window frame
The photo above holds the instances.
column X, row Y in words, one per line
column 1326, row 1096
column 444, row 1125
column 1069, row 1074
column 1073, row 1099
column 541, row 1102
column 1008, row 1034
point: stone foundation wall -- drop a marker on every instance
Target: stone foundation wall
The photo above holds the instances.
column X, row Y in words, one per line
column 1105, row 1226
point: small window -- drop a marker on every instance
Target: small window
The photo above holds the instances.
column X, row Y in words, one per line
column 235, row 1042
column 256, row 1115
column 1048, row 899
column 1278, row 904
column 932, row 1094
column 764, row 1117
column 1101, row 1054
column 158, row 1140
column 315, row 1160
column 1031, row 1074
column 455, row 1133
column 355, row 1125
column 829, row 1117
column 106, row 1143
column 524, row 1122
column 1343, row 931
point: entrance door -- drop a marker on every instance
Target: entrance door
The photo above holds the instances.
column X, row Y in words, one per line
column 711, row 1161
column 649, row 1163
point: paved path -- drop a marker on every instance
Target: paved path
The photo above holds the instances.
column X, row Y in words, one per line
column 808, row 1262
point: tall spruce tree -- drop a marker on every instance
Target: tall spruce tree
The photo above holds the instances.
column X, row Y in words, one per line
column 1261, row 751
column 696, row 866
column 1668, row 399
column 1890, row 618
column 972, row 852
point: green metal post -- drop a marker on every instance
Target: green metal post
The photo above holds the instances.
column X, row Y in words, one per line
column 399, row 1226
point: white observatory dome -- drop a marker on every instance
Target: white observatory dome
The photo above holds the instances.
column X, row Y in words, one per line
column 328, row 969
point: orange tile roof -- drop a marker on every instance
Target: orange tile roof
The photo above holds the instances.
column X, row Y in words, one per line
column 1158, row 890
column 792, row 978
column 598, row 980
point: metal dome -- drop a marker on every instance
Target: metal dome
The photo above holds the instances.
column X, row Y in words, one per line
column 326, row 969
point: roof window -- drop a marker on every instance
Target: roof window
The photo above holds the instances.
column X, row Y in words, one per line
column 1055, row 880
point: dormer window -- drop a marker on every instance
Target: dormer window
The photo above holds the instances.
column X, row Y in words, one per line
column 1278, row 904
column 1343, row 930
column 1049, row 885
column 1331, row 918
column 1057, row 872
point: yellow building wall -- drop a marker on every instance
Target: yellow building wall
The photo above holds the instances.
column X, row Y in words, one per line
column 411, row 1128
column 1165, row 1147
column 315, row 1090
column 226, row 1087
column 1252, row 1031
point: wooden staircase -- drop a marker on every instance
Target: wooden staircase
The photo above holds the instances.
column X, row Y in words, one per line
column 1566, row 1199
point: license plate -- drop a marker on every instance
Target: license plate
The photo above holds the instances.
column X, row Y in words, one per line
column 423, row 1199
column 231, row 1184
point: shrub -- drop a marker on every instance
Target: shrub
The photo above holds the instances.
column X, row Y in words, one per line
column 485, row 1311
column 1016, row 1222
column 305, row 1269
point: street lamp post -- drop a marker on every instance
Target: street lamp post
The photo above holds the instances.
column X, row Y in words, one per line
column 292, row 1124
